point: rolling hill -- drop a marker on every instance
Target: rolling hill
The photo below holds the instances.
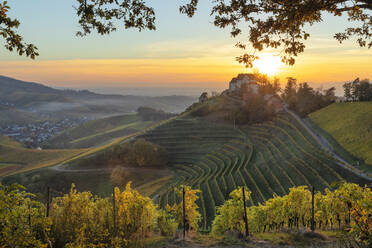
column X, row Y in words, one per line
column 14, row 158
column 348, row 126
column 26, row 101
column 268, row 158
column 216, row 157
column 96, row 132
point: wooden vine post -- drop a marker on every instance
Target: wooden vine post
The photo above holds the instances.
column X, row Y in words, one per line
column 29, row 213
column 48, row 201
column 114, row 209
column 312, row 210
column 183, row 213
column 245, row 214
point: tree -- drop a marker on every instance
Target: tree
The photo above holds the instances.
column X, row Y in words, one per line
column 119, row 176
column 347, row 91
column 358, row 90
column 303, row 99
column 290, row 89
column 270, row 23
column 14, row 41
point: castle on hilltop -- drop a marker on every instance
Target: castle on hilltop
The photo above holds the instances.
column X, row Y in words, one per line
column 248, row 79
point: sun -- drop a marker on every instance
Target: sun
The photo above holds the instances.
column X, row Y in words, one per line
column 268, row 64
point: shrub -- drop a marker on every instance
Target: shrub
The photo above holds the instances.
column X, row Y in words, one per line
column 22, row 220
column 79, row 219
column 230, row 215
column 193, row 216
column 166, row 223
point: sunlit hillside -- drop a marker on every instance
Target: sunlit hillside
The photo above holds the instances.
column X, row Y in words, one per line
column 15, row 158
column 350, row 125
column 268, row 158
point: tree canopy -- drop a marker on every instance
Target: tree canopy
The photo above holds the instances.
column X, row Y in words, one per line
column 270, row 23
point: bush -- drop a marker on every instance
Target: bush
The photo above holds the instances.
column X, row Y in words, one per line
column 166, row 223
column 80, row 219
column 230, row 215
column 150, row 114
column 141, row 153
column 22, row 220
column 202, row 111
column 255, row 110
column 193, row 216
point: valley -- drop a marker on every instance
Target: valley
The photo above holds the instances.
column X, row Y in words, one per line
column 268, row 158
column 243, row 137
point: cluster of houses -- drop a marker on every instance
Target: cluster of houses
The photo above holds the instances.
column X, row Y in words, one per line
column 247, row 84
column 34, row 134
column 8, row 104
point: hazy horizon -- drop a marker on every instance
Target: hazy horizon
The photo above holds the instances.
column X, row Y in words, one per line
column 184, row 91
column 179, row 51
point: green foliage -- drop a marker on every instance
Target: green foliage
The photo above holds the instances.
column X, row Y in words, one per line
column 203, row 110
column 135, row 215
column 22, row 220
column 193, row 216
column 141, row 153
column 304, row 100
column 151, row 114
column 271, row 24
column 349, row 204
column 167, row 223
column 84, row 220
column 358, row 90
column 255, row 110
column 144, row 153
column 12, row 40
column 230, row 216
column 80, row 218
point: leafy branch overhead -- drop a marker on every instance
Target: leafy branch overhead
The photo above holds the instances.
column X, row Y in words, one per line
column 279, row 24
column 14, row 41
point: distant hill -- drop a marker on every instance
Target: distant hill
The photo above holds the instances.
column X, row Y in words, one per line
column 37, row 101
column 350, row 125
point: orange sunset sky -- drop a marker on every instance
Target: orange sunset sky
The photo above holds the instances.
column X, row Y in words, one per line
column 182, row 52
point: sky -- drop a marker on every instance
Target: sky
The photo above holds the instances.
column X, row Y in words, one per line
column 181, row 53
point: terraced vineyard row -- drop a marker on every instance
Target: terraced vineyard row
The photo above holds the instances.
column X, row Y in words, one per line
column 268, row 158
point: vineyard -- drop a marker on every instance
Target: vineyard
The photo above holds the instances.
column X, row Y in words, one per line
column 267, row 158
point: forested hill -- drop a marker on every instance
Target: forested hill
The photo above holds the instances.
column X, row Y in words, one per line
column 38, row 99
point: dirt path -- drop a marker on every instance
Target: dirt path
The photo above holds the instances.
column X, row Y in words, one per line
column 325, row 145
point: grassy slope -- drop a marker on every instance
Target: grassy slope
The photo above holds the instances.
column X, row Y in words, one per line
column 97, row 182
column 350, row 124
column 97, row 132
column 15, row 159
